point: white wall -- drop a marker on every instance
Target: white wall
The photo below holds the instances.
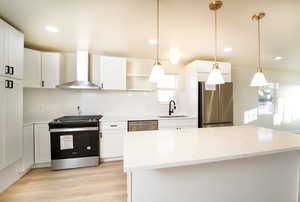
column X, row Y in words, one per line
column 287, row 109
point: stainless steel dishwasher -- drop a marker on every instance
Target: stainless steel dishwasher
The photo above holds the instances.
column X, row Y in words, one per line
column 142, row 125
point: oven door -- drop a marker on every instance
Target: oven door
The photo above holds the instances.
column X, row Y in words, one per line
column 67, row 144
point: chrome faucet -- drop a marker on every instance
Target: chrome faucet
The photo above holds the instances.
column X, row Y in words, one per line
column 171, row 110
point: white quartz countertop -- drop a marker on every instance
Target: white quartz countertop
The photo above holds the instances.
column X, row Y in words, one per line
column 118, row 118
column 133, row 118
column 173, row 148
column 28, row 123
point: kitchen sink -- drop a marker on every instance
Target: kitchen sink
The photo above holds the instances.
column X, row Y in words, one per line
column 174, row 116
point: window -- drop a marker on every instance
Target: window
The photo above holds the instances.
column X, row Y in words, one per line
column 167, row 88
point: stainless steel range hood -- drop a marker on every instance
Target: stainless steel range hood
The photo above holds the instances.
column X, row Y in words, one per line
column 81, row 74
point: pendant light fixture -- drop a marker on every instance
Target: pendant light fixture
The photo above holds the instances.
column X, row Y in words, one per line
column 259, row 78
column 157, row 71
column 215, row 76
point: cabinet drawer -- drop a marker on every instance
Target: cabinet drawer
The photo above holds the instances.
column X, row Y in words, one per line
column 114, row 125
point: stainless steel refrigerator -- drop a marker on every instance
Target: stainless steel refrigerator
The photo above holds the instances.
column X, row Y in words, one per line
column 215, row 107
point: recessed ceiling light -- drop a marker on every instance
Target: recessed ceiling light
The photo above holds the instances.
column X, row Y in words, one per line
column 226, row 50
column 51, row 29
column 278, row 58
column 152, row 41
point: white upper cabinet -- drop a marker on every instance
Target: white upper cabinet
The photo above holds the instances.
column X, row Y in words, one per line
column 109, row 72
column 11, row 51
column 41, row 69
column 50, row 69
column 202, row 68
column 2, row 48
column 32, row 68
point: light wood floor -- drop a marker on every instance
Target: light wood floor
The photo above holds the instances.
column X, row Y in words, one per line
column 106, row 183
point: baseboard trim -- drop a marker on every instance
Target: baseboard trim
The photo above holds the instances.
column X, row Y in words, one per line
column 42, row 165
column 111, row 159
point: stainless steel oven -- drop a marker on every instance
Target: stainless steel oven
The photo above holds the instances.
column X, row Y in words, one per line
column 74, row 143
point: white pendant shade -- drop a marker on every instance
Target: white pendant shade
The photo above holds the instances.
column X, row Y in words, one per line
column 258, row 80
column 157, row 73
column 215, row 77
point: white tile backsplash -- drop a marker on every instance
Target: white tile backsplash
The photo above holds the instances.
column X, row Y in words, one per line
column 47, row 104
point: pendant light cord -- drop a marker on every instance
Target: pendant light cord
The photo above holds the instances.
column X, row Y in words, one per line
column 259, row 69
column 216, row 38
column 157, row 31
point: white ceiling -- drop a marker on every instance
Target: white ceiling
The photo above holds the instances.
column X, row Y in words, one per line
column 123, row 28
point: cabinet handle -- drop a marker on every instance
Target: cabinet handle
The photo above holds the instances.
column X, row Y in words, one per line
column 11, row 70
column 113, row 126
column 7, row 83
column 7, row 69
column 43, row 83
column 101, row 85
column 11, row 84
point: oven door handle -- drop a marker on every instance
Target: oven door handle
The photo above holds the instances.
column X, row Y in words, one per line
column 59, row 130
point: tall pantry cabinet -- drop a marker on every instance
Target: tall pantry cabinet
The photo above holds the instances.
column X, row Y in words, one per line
column 11, row 94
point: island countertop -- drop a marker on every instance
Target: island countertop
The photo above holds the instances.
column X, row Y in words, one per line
column 173, row 148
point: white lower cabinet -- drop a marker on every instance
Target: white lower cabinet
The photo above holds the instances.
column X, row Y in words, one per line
column 11, row 120
column 42, row 144
column 111, row 144
column 2, row 122
column 28, row 147
column 177, row 123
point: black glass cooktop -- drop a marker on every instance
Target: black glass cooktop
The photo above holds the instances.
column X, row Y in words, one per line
column 79, row 118
column 75, row 121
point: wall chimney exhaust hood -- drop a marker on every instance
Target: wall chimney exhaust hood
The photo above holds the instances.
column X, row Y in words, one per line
column 81, row 74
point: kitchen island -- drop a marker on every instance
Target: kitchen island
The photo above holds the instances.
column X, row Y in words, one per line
column 227, row 164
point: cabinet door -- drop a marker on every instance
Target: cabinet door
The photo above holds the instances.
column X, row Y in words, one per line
column 42, row 143
column 2, row 121
column 32, row 68
column 113, row 73
column 50, row 69
column 15, row 49
column 2, row 48
column 28, row 147
column 14, row 122
column 19, row 54
column 112, row 144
